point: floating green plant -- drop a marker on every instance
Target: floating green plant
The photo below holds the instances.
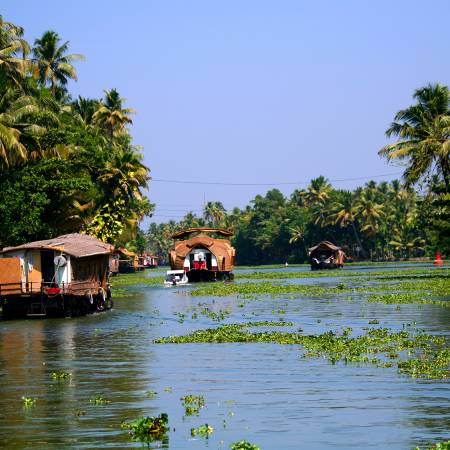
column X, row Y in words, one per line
column 61, row 375
column 192, row 404
column 133, row 279
column 28, row 402
column 148, row 429
column 99, row 400
column 429, row 356
column 151, row 393
column 203, row 430
column 438, row 446
column 244, row 445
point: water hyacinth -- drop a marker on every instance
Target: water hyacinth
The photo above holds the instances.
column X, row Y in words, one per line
column 192, row 404
column 148, row 429
column 203, row 430
column 244, row 445
column 432, row 357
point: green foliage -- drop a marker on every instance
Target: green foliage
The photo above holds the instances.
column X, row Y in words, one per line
column 99, row 400
column 61, row 375
column 244, row 445
column 36, row 200
column 432, row 357
column 28, row 402
column 192, row 404
column 439, row 446
column 148, row 429
column 203, row 430
column 65, row 166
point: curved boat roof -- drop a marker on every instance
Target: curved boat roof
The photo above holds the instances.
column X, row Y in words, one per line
column 189, row 231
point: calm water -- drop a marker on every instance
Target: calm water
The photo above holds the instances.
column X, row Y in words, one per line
column 263, row 393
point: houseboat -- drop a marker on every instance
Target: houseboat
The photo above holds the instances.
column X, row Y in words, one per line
column 204, row 254
column 128, row 261
column 326, row 255
column 64, row 276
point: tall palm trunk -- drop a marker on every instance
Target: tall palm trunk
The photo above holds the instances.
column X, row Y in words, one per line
column 358, row 240
column 445, row 167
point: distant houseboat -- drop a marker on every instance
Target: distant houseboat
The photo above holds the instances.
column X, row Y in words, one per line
column 201, row 256
column 127, row 261
column 64, row 276
column 326, row 255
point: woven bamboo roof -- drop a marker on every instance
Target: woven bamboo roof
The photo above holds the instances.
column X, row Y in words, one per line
column 75, row 244
column 188, row 231
column 220, row 248
column 325, row 245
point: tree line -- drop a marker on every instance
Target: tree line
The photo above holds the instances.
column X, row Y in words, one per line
column 66, row 164
column 378, row 221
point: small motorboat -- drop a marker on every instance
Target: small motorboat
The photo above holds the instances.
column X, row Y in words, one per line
column 175, row 278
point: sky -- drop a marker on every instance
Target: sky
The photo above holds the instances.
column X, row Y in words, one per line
column 253, row 94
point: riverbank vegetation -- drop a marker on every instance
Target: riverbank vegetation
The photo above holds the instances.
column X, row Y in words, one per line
column 67, row 164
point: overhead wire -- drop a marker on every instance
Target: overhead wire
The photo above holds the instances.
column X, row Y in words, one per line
column 281, row 183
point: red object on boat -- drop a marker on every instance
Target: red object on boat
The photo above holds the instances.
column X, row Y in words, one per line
column 52, row 290
column 438, row 261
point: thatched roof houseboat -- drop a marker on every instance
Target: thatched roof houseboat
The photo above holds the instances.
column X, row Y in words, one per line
column 123, row 260
column 203, row 257
column 326, row 255
column 66, row 275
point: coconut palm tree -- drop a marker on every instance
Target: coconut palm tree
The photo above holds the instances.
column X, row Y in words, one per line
column 318, row 191
column 125, row 174
column 13, row 52
column 423, row 130
column 17, row 132
column 111, row 116
column 214, row 213
column 53, row 63
column 83, row 110
column 369, row 213
column 344, row 215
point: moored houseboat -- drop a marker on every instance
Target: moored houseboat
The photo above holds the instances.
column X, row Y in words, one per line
column 64, row 276
column 202, row 256
column 326, row 255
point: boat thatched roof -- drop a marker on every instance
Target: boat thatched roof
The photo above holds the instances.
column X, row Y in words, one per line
column 220, row 248
column 74, row 244
column 126, row 252
column 184, row 233
column 327, row 245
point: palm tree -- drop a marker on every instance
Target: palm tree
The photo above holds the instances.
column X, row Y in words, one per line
column 369, row 213
column 125, row 174
column 214, row 213
column 111, row 116
column 16, row 130
column 318, row 191
column 13, row 52
column 344, row 215
column 84, row 110
column 423, row 130
column 53, row 64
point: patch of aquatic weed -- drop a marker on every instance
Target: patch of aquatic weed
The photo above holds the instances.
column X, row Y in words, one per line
column 437, row 446
column 400, row 298
column 132, row 279
column 388, row 274
column 418, row 355
column 246, row 290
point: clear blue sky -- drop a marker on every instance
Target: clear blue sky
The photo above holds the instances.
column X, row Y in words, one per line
column 251, row 91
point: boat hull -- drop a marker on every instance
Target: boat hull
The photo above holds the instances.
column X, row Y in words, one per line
column 208, row 275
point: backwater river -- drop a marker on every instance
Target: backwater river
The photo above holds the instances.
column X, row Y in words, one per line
column 264, row 393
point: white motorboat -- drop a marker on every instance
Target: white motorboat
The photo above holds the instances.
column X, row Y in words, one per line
column 175, row 278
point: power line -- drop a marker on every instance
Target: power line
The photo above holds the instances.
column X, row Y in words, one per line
column 282, row 183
